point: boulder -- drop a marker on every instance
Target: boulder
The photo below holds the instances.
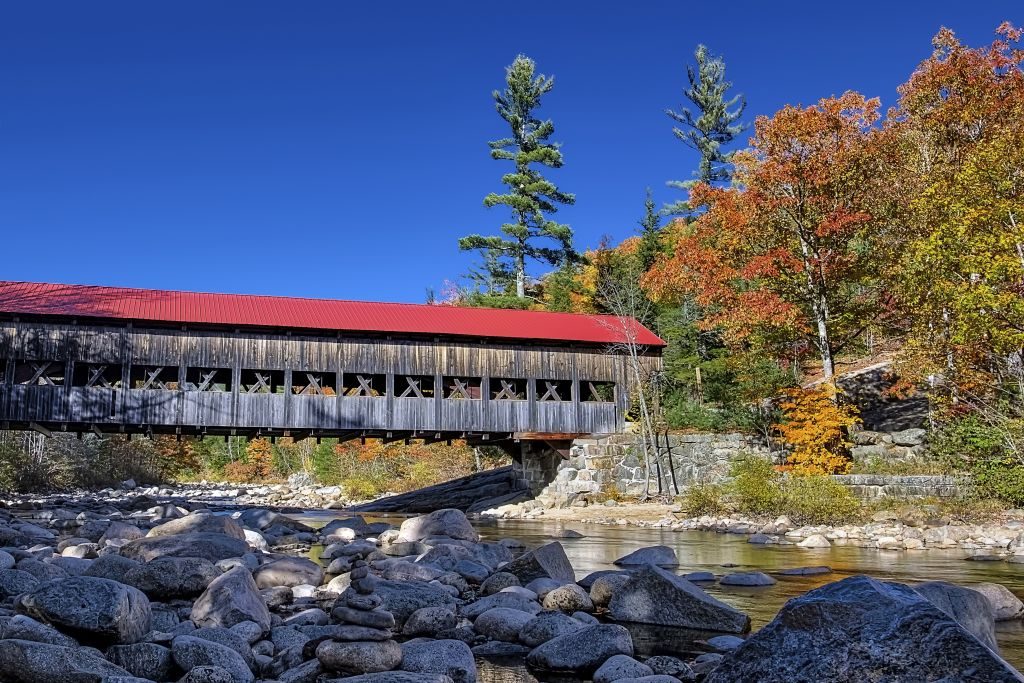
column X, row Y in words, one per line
column 497, row 582
column 748, row 579
column 206, row 674
column 145, row 660
column 969, row 608
column 429, row 621
column 113, row 567
column 190, row 652
column 172, row 577
column 231, row 598
column 209, row 546
column 289, row 571
column 1007, row 606
column 502, row 623
column 582, row 651
column 860, row 629
column 546, row 626
column 359, row 657
column 548, row 561
column 451, row 658
column 15, row 582
column 658, row 555
column 655, row 596
column 509, row 600
column 22, row 627
column 449, row 523
column 568, row 598
column 25, row 661
column 619, row 667
column 199, row 522
column 393, row 677
column 402, row 599
column 815, row 541
column 604, row 587
column 94, row 611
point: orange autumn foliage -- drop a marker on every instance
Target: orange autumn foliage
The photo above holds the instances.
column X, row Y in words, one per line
column 814, row 425
column 260, row 456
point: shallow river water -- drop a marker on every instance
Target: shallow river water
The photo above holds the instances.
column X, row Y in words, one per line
column 723, row 553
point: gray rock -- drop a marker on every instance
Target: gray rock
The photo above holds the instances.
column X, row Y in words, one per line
column 449, row 523
column 969, row 608
column 113, row 567
column 231, row 598
column 568, row 598
column 582, row 651
column 190, row 652
column 199, row 523
column 547, row 561
column 547, row 626
column 119, row 531
column 359, row 657
column 655, row 596
column 145, row 660
column 1006, row 605
column 430, row 621
column 172, row 577
column 402, row 599
column 544, row 585
column 308, row 672
column 860, row 629
column 658, row 555
column 619, row 667
column 94, row 611
column 497, row 582
column 655, row 678
column 393, row 677
column 6, row 560
column 909, row 437
column 665, row 665
column 314, row 616
column 289, row 571
column 25, row 661
column 750, row 579
column 806, row 571
column 604, row 587
column 207, row 674
column 509, row 600
column 22, row 627
column 725, row 643
column 451, row 658
column 15, row 582
column 209, row 546
column 228, row 638
column 502, row 623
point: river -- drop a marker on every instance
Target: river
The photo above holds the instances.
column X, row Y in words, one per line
column 724, row 553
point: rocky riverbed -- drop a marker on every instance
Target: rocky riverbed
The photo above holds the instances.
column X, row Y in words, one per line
column 134, row 588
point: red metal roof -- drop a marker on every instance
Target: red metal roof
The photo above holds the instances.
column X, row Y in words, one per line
column 120, row 303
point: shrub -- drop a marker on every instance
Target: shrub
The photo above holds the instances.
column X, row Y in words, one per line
column 755, row 486
column 704, row 499
column 979, row 448
column 814, row 423
column 817, row 499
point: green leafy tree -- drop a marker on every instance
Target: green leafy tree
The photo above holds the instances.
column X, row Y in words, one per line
column 531, row 235
column 713, row 123
column 650, row 233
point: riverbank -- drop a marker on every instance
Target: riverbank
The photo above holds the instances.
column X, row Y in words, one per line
column 905, row 527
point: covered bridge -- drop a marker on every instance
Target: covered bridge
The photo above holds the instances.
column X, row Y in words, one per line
column 106, row 359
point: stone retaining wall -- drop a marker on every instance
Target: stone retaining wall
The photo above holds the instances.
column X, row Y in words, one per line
column 873, row 486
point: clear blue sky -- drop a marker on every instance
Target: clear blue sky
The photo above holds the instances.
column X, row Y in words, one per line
column 338, row 149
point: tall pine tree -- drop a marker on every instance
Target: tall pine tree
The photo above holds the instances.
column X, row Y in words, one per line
column 713, row 123
column 531, row 235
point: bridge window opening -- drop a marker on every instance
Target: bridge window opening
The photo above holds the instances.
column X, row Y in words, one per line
column 597, row 392
column 154, row 377
column 100, row 375
column 462, row 387
column 41, row 373
column 208, row 379
column 364, row 384
column 503, row 389
column 261, row 382
column 314, row 383
column 554, row 390
column 414, row 386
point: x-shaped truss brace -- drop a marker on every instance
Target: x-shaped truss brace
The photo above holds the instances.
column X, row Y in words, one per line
column 508, row 391
column 206, row 380
column 314, row 385
column 97, row 377
column 364, row 388
column 261, row 385
column 458, row 388
column 39, row 374
column 552, row 393
column 153, row 379
column 412, row 387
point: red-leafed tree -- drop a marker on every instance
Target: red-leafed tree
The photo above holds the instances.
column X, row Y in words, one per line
column 783, row 256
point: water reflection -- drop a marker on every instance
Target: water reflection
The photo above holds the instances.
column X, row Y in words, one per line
column 723, row 553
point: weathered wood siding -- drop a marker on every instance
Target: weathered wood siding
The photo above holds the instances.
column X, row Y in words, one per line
column 127, row 399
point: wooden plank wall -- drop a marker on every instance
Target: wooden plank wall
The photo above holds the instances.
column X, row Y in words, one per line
column 133, row 349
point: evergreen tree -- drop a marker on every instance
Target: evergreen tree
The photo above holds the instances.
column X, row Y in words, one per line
column 650, row 233
column 712, row 124
column 530, row 197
